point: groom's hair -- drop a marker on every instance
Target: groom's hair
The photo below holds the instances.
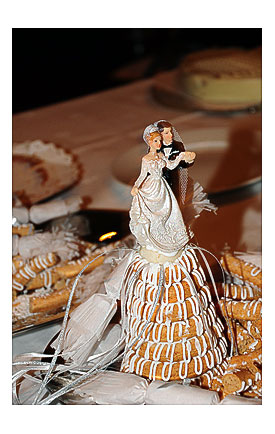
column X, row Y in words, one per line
column 163, row 124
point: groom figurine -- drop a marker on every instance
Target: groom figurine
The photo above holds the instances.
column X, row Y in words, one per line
column 171, row 149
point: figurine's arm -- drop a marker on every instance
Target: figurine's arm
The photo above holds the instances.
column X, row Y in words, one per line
column 142, row 176
column 188, row 157
column 186, row 162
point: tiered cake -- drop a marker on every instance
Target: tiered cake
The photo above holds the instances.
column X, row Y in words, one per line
column 182, row 337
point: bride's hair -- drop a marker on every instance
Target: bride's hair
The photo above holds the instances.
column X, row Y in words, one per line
column 151, row 136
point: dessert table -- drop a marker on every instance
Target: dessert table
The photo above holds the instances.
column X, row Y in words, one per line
column 99, row 129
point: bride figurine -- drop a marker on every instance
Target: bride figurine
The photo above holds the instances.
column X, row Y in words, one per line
column 155, row 217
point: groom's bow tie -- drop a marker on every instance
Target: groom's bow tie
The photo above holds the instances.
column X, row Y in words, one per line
column 168, row 146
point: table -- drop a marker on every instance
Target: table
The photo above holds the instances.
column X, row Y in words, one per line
column 96, row 128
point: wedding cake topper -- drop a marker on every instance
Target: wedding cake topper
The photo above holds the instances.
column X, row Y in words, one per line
column 156, row 219
column 165, row 199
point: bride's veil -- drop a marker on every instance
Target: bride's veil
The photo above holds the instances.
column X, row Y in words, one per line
column 148, row 130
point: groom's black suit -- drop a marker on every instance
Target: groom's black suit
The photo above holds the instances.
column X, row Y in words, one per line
column 172, row 176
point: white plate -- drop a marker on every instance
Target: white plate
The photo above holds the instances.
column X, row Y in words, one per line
column 225, row 160
column 41, row 170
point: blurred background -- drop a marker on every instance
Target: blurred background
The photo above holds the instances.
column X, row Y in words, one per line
column 53, row 65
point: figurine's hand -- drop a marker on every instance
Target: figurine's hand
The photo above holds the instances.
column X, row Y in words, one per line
column 134, row 191
column 189, row 157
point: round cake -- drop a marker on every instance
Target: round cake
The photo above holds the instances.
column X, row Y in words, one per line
column 222, row 78
column 174, row 333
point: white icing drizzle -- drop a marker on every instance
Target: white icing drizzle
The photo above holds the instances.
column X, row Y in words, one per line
column 223, row 344
column 239, row 280
column 47, row 278
column 210, row 363
column 203, row 299
column 241, row 388
column 257, row 302
column 198, row 275
column 19, row 263
column 219, row 357
column 138, row 365
column 200, row 269
column 258, row 376
column 198, row 345
column 199, row 325
column 191, row 254
column 152, row 371
column 17, row 285
column 206, row 290
column 207, row 376
column 163, row 376
column 185, row 263
column 204, row 349
column 198, row 361
column 255, row 271
column 185, row 370
column 250, row 290
column 177, row 273
column 158, row 349
column 188, row 348
column 26, row 272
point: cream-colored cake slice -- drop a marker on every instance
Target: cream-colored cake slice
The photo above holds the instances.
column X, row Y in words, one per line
column 222, row 77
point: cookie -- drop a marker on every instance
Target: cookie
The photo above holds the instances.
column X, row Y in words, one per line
column 242, row 270
column 29, row 270
column 242, row 310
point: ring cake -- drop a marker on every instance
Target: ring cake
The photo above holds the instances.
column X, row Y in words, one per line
column 178, row 334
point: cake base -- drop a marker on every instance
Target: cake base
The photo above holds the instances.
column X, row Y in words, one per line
column 157, row 258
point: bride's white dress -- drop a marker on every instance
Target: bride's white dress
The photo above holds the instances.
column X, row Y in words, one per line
column 155, row 217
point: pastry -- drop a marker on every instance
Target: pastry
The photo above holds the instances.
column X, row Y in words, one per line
column 212, row 379
column 241, row 292
column 49, row 302
column 242, row 309
column 41, row 284
column 250, row 361
column 46, row 278
column 17, row 262
column 237, row 381
column 23, row 230
column 72, row 268
column 244, row 271
column 254, row 328
column 245, row 342
column 29, row 270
